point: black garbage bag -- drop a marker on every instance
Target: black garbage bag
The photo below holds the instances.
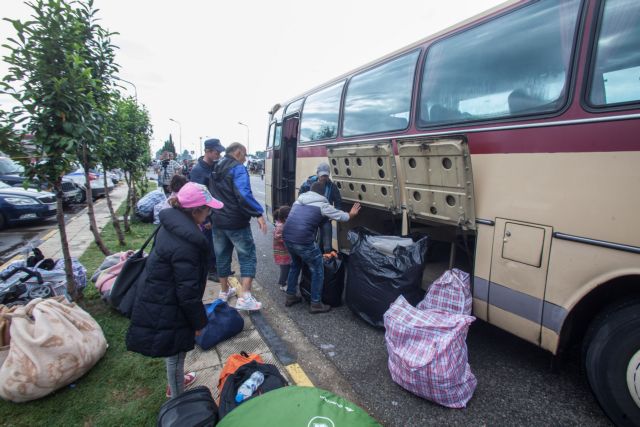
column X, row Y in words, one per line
column 375, row 278
column 333, row 284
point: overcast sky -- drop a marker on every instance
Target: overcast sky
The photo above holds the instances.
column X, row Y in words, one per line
column 210, row 64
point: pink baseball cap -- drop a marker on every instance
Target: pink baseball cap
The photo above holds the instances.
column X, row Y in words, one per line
column 193, row 195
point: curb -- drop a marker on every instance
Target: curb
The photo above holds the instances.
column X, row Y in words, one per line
column 275, row 343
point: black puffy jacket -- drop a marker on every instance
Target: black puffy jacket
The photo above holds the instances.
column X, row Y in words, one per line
column 169, row 309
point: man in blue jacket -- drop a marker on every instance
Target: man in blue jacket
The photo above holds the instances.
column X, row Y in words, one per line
column 230, row 184
column 201, row 174
column 299, row 235
column 332, row 194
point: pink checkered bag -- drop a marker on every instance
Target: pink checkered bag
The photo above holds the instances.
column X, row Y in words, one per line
column 451, row 292
column 428, row 353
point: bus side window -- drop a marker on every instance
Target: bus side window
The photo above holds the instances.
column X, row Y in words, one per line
column 512, row 65
column 616, row 69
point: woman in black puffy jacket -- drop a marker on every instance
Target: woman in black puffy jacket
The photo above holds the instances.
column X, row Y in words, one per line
column 168, row 312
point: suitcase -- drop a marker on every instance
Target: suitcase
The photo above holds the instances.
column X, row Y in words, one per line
column 333, row 285
column 192, row 408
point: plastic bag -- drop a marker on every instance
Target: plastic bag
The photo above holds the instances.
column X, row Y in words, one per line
column 428, row 352
column 451, row 292
column 375, row 280
column 144, row 207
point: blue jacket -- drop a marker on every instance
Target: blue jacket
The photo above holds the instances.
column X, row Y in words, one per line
column 331, row 191
column 230, row 184
column 201, row 172
column 307, row 213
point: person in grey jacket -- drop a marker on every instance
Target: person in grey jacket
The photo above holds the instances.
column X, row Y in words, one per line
column 299, row 235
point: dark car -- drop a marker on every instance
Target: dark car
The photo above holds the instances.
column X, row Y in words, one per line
column 12, row 173
column 19, row 205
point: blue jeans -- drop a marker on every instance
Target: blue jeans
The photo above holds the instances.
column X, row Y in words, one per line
column 325, row 236
column 308, row 254
column 223, row 243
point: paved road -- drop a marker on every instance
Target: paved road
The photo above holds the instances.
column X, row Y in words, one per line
column 15, row 239
column 516, row 384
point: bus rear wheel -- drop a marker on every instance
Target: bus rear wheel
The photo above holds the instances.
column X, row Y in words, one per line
column 612, row 362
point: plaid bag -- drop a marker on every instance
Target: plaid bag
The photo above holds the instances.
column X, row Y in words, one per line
column 451, row 292
column 428, row 353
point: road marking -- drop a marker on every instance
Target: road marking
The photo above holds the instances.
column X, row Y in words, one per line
column 298, row 376
column 6, row 264
column 49, row 235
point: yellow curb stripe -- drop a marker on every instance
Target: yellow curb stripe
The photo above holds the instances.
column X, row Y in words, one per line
column 6, row 264
column 298, row 376
column 49, row 235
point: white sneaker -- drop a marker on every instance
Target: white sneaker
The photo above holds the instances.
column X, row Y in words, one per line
column 283, row 288
column 224, row 296
column 249, row 303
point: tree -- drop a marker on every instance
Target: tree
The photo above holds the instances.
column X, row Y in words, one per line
column 49, row 78
column 99, row 54
column 169, row 146
column 185, row 155
column 130, row 130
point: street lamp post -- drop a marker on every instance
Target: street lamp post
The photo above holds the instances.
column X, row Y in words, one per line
column 180, row 128
column 247, row 126
column 135, row 89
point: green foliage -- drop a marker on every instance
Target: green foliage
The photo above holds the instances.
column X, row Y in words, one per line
column 51, row 78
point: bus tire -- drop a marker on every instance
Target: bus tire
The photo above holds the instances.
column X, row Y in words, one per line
column 612, row 362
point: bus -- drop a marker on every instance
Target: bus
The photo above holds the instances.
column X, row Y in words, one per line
column 513, row 140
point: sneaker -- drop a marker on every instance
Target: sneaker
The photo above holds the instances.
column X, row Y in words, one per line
column 318, row 307
column 188, row 380
column 291, row 300
column 283, row 288
column 248, row 302
column 224, row 296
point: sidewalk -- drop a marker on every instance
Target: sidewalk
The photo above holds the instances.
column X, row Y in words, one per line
column 206, row 364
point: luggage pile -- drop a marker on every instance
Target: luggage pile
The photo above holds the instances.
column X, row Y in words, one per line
column 272, row 401
column 37, row 277
column 145, row 206
column 427, row 343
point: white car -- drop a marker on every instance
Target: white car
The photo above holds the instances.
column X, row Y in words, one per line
column 97, row 181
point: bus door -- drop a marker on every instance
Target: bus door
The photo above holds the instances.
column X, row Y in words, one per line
column 284, row 164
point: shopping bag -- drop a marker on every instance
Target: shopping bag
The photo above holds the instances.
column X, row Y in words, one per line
column 52, row 343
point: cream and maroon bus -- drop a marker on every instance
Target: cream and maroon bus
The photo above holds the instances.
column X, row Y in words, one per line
column 513, row 141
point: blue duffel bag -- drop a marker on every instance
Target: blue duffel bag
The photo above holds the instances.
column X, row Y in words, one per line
column 223, row 323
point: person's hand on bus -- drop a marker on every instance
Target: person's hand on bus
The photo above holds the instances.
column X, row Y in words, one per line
column 262, row 224
column 355, row 209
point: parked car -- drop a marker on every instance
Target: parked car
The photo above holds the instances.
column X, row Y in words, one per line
column 19, row 205
column 12, row 173
column 97, row 182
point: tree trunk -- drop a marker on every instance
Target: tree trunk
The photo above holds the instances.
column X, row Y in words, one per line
column 127, row 226
column 134, row 192
column 68, row 268
column 114, row 218
column 92, row 216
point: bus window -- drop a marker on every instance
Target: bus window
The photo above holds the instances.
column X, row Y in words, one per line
column 294, row 106
column 513, row 65
column 320, row 114
column 278, row 135
column 270, row 137
column 379, row 100
column 616, row 69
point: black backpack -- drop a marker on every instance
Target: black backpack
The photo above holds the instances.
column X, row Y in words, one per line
column 272, row 380
column 192, row 408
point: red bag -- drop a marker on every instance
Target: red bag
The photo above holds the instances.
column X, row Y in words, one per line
column 231, row 366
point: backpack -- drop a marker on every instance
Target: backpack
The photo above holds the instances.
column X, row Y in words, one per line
column 273, row 380
column 192, row 408
column 232, row 364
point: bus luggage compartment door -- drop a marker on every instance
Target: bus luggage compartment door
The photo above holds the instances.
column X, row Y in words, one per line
column 438, row 180
column 366, row 173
